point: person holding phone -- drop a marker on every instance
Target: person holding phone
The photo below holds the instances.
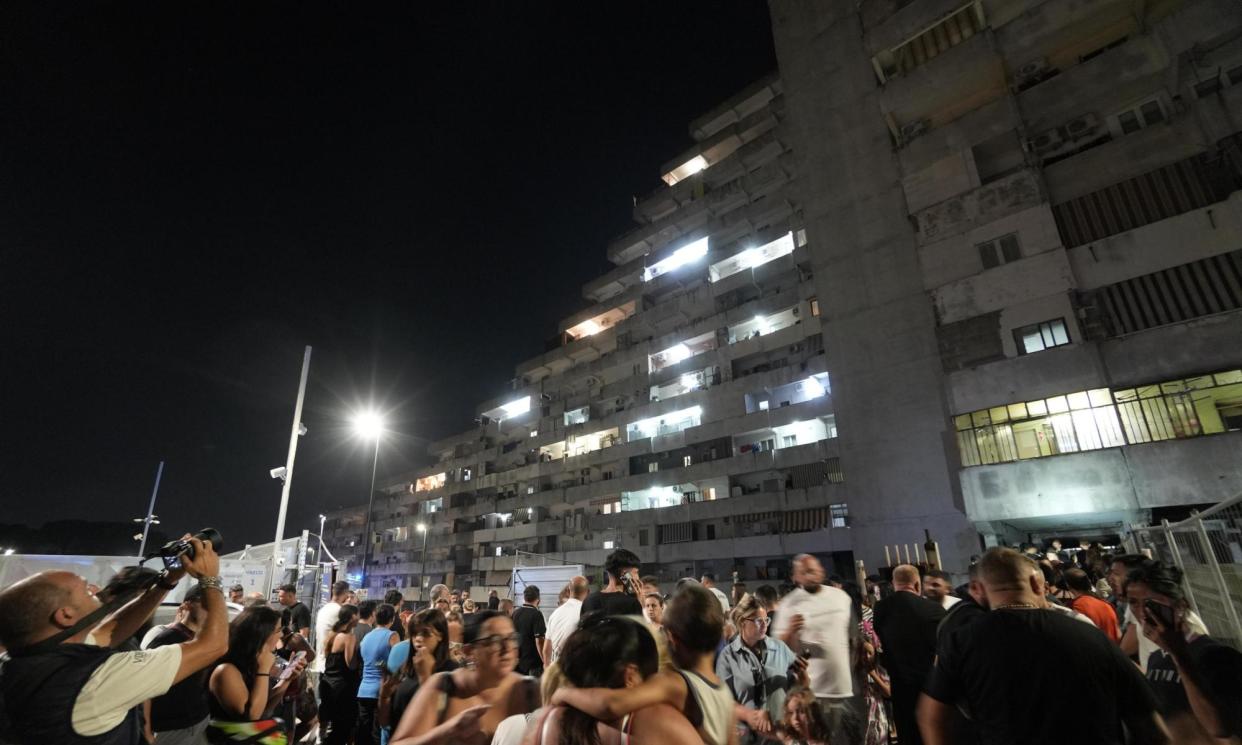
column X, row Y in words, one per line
column 620, row 596
column 240, row 686
column 1197, row 680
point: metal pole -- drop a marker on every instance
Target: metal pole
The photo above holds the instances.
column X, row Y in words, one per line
column 422, row 566
column 146, row 523
column 319, row 552
column 284, row 492
column 366, row 534
column 1171, row 537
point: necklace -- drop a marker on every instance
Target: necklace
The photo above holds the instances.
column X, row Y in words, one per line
column 1008, row 606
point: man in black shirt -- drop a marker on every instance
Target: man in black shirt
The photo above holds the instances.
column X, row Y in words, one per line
column 180, row 716
column 529, row 624
column 296, row 615
column 1011, row 666
column 906, row 624
column 620, row 597
column 974, row 604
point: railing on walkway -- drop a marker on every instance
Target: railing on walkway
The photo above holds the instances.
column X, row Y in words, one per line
column 1207, row 547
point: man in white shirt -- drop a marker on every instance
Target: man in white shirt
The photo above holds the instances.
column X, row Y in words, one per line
column 708, row 580
column 818, row 622
column 96, row 690
column 936, row 586
column 325, row 619
column 564, row 620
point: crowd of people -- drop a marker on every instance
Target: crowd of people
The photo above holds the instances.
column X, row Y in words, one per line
column 1035, row 647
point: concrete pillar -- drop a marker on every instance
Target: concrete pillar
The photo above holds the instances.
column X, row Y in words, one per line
column 897, row 451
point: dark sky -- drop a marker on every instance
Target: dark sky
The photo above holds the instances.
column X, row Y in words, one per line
column 191, row 192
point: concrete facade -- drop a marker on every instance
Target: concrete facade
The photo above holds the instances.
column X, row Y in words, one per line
column 972, row 269
column 1024, row 227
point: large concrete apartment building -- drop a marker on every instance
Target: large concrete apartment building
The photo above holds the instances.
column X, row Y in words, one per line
column 974, row 269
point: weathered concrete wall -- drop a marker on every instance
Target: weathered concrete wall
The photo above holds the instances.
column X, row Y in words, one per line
column 879, row 331
column 1204, row 345
column 1136, row 477
column 1000, row 198
column 1178, row 240
column 1007, row 285
column 957, row 257
column 1051, row 373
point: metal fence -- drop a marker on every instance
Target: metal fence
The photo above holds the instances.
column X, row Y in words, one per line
column 1208, row 548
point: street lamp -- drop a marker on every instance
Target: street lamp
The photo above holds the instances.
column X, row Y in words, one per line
column 369, row 425
column 422, row 565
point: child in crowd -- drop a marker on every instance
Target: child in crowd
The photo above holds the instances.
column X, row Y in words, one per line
column 692, row 622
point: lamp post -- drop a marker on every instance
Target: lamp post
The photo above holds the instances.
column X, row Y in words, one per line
column 319, row 553
column 150, row 518
column 369, row 425
column 422, row 565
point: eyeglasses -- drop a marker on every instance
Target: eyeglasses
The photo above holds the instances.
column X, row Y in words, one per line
column 497, row 641
column 760, row 623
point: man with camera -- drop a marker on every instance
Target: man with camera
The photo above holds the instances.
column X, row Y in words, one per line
column 56, row 686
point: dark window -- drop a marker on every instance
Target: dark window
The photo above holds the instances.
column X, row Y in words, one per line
column 1129, row 122
column 1002, row 250
column 1207, row 87
column 1152, row 113
column 642, row 537
column 711, row 532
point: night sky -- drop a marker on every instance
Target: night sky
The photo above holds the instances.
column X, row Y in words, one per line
column 192, row 192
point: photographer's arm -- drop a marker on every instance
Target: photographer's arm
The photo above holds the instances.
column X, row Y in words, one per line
column 125, row 622
column 212, row 640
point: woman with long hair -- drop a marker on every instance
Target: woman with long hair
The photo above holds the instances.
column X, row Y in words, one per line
column 424, row 653
column 610, row 652
column 465, row 706
column 804, row 722
column 240, row 686
column 338, row 685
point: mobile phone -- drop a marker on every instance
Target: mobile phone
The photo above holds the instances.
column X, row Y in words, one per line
column 1159, row 611
column 289, row 668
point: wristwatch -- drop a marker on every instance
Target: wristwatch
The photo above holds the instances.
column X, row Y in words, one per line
column 163, row 582
column 211, row 583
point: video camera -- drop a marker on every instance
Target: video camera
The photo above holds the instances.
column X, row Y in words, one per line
column 172, row 551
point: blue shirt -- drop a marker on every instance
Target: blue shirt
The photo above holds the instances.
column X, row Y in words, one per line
column 398, row 656
column 374, row 653
column 758, row 681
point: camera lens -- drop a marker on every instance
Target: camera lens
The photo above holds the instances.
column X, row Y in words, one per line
column 212, row 536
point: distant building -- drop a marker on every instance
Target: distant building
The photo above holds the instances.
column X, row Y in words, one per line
column 997, row 244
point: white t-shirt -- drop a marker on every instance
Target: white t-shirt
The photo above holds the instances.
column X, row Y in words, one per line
column 724, row 600
column 125, row 680
column 562, row 623
column 827, row 617
column 324, row 620
column 948, row 601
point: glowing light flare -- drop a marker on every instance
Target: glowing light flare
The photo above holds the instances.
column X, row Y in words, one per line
column 368, row 424
column 695, row 165
column 687, row 254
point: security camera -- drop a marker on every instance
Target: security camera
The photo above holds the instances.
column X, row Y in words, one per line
column 278, row 473
column 301, row 429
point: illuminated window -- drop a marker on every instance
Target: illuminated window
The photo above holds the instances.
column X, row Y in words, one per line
column 428, row 483
column 687, row 254
column 667, row 424
column 686, row 461
column 609, row 545
column 512, row 409
column 815, row 307
column 500, row 551
column 681, row 351
column 840, row 514
column 751, row 258
column 1040, row 336
column 577, row 416
column 653, row 466
column 684, row 171
column 534, row 433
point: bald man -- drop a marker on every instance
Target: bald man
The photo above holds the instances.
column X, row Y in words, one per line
column 564, row 620
column 906, row 624
column 1021, row 652
column 73, row 691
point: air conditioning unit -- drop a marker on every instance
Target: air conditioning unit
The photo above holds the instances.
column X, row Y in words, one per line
column 913, row 130
column 1045, row 142
column 1083, row 126
column 677, row 488
column 1032, row 69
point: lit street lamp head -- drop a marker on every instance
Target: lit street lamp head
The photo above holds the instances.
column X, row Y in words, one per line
column 421, row 527
column 368, row 424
